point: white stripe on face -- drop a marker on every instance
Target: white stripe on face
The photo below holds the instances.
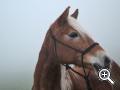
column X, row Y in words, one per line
column 75, row 24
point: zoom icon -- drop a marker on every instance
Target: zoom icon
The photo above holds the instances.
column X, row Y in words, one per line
column 104, row 74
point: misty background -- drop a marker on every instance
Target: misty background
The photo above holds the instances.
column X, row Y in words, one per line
column 24, row 23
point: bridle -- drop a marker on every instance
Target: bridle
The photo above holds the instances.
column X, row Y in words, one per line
column 83, row 52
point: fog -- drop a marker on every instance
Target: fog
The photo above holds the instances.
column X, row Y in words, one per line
column 24, row 23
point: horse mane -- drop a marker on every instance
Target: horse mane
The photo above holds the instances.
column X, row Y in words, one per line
column 42, row 72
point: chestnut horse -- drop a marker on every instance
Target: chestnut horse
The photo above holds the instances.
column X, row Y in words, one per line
column 70, row 58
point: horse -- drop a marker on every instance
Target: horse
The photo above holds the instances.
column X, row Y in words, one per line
column 69, row 58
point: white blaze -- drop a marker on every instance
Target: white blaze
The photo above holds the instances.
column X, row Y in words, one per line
column 75, row 24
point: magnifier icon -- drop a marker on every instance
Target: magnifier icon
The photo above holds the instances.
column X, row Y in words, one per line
column 104, row 74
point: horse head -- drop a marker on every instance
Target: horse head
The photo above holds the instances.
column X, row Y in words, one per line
column 72, row 43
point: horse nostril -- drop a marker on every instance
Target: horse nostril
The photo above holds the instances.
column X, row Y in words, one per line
column 106, row 60
column 97, row 66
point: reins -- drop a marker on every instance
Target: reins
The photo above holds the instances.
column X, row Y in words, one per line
column 83, row 52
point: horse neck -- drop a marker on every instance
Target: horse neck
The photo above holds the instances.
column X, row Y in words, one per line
column 47, row 71
column 50, row 77
column 54, row 75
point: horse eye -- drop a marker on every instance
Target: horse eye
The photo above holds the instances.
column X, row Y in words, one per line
column 73, row 35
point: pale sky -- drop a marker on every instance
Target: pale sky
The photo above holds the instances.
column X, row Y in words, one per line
column 24, row 23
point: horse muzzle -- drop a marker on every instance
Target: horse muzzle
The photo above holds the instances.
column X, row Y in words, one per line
column 105, row 64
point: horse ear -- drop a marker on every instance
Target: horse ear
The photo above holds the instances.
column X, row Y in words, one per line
column 63, row 18
column 75, row 14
